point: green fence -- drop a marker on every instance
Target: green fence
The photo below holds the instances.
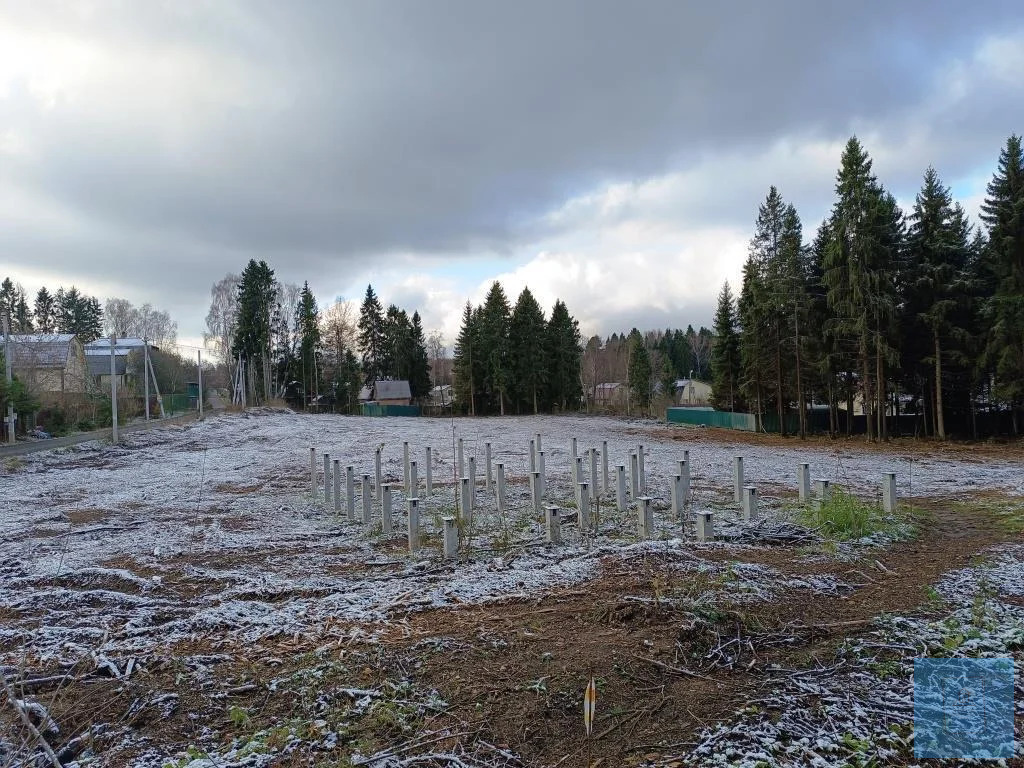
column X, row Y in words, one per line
column 710, row 418
column 373, row 409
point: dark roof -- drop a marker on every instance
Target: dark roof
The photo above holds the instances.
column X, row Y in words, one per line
column 40, row 350
column 100, row 366
column 392, row 390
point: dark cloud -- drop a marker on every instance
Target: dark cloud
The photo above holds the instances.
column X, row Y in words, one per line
column 320, row 134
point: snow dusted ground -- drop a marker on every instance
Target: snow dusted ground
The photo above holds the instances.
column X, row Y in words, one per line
column 211, row 526
column 209, row 530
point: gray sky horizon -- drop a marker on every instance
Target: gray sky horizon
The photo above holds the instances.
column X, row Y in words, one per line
column 612, row 155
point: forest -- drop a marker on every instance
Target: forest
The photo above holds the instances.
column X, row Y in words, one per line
column 884, row 314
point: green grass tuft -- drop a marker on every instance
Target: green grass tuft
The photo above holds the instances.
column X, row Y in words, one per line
column 844, row 517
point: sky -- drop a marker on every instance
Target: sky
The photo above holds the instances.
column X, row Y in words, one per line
column 609, row 154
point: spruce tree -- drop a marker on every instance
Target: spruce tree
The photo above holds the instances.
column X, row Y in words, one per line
column 397, row 349
column 22, row 315
column 1003, row 214
column 527, row 353
column 257, row 296
column 564, row 355
column 725, row 353
column 639, row 372
column 44, row 309
column 464, row 366
column 371, row 337
column 307, row 324
column 493, row 345
column 419, row 365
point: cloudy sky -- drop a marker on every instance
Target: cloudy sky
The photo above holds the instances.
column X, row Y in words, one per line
column 611, row 154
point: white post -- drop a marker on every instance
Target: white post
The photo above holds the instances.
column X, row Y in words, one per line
column 199, row 354
column 584, row 499
column 385, row 510
column 405, row 463
column 414, row 480
column 737, row 479
column 451, row 537
column 824, row 492
column 327, row 479
column 501, row 488
column 533, row 456
column 678, row 498
column 543, row 475
column 684, row 473
column 634, row 475
column 889, row 492
column 378, row 474
column 312, row 473
column 430, row 477
column 535, row 494
column 367, row 496
column 337, row 486
column 461, row 459
column 803, row 481
column 536, row 437
column 10, row 377
column 620, row 487
column 145, row 373
column 640, row 468
column 645, row 523
column 472, row 483
column 579, row 477
column 705, row 527
column 593, row 471
column 604, row 462
column 749, row 503
column 553, row 524
column 574, row 448
column 113, row 392
column 466, row 503
column 489, row 474
column 350, row 492
column 414, row 524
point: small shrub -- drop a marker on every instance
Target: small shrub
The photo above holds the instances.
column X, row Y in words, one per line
column 844, row 517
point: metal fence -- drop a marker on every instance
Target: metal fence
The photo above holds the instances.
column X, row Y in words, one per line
column 374, row 409
column 711, row 418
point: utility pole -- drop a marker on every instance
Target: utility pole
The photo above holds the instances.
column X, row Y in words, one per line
column 113, row 391
column 10, row 380
column 145, row 372
column 199, row 354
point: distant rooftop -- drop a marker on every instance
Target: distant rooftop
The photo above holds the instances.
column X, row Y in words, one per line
column 40, row 350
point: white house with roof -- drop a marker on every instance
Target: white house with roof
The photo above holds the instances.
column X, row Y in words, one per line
column 387, row 392
column 128, row 360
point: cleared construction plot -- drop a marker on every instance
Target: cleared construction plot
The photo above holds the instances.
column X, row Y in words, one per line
column 184, row 599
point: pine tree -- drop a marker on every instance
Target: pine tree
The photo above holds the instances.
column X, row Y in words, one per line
column 397, row 356
column 8, row 298
column 78, row 314
column 419, row 367
column 371, row 337
column 493, row 346
column 45, row 307
column 527, row 352
column 564, row 357
column 464, row 365
column 725, row 354
column 1003, row 214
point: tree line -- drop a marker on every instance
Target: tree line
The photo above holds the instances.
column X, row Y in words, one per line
column 511, row 359
column 290, row 348
column 917, row 312
column 66, row 311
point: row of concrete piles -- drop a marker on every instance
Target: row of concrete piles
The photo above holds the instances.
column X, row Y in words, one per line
column 588, row 484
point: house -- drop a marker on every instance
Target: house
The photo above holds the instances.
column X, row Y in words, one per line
column 610, row 393
column 50, row 365
column 692, row 392
column 440, row 396
column 387, row 392
column 129, row 360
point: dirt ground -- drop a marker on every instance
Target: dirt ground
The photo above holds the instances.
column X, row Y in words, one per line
column 678, row 637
